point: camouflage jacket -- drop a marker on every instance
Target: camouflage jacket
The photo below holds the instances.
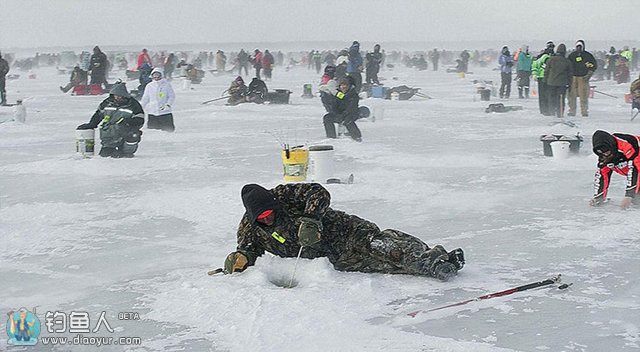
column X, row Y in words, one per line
column 296, row 201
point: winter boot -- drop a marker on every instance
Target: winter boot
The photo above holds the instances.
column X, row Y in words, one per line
column 456, row 257
column 443, row 270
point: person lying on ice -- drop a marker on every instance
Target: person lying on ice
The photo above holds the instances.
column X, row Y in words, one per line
column 293, row 216
column 620, row 153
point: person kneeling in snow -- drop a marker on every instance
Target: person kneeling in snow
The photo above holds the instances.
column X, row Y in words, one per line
column 157, row 100
column 121, row 116
column 620, row 153
column 291, row 217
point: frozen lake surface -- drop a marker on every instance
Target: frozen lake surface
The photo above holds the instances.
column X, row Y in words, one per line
column 139, row 235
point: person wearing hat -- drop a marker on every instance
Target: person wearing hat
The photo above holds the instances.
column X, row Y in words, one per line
column 537, row 67
column 157, row 101
column 583, row 65
column 121, row 117
column 238, row 92
column 354, row 65
column 618, row 153
column 345, row 112
column 78, row 77
column 557, row 76
column 98, row 66
column 296, row 218
column 328, row 88
column 506, row 67
column 4, row 69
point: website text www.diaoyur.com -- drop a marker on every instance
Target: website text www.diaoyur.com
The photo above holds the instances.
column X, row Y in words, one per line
column 80, row 340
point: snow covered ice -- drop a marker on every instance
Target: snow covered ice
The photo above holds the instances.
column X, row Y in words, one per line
column 139, row 235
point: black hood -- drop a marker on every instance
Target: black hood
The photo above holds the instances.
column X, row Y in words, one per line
column 603, row 141
column 257, row 199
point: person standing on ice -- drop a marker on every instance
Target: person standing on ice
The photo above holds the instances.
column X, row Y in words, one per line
column 620, row 153
column 4, row 69
column 557, row 76
column 354, row 65
column 294, row 217
column 99, row 65
column 157, row 100
column 121, row 117
column 583, row 65
column 523, row 61
column 506, row 66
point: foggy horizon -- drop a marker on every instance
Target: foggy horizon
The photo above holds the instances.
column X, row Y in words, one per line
column 75, row 23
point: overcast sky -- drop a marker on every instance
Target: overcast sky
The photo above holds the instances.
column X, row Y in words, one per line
column 38, row 23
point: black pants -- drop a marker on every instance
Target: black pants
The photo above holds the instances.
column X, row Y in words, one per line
column 258, row 68
column 543, row 97
column 357, row 78
column 330, row 120
column 523, row 84
column 162, row 122
column 505, row 86
column 3, row 92
column 556, row 97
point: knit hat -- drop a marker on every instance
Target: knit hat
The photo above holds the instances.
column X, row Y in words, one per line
column 603, row 142
column 257, row 200
column 120, row 89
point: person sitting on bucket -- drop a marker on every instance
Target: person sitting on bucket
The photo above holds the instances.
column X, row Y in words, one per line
column 620, row 153
column 237, row 92
column 294, row 217
column 121, row 116
column 257, row 91
column 346, row 110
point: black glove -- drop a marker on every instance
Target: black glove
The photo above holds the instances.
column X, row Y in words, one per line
column 309, row 232
column 84, row 126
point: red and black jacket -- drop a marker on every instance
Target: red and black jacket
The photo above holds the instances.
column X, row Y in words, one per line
column 626, row 163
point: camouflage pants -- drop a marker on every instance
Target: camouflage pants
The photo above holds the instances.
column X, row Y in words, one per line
column 389, row 251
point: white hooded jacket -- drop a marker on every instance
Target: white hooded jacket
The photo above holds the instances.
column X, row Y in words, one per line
column 158, row 96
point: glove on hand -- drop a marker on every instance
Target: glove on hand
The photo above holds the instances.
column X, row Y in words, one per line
column 309, row 232
column 236, row 261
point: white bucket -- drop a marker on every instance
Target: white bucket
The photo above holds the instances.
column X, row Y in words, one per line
column 560, row 149
column 186, row 84
column 321, row 166
column 85, row 143
column 378, row 113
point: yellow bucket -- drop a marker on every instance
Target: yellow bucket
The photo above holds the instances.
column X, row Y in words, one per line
column 294, row 163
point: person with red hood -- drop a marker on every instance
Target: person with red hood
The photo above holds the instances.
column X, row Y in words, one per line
column 620, row 153
column 295, row 219
column 257, row 62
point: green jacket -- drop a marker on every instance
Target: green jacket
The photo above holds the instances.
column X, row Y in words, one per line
column 538, row 65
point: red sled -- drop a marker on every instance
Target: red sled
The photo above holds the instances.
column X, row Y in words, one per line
column 87, row 89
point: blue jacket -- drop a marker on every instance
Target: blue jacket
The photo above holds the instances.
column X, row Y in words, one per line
column 506, row 63
column 355, row 59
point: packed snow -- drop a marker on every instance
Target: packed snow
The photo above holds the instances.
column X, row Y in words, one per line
column 139, row 235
